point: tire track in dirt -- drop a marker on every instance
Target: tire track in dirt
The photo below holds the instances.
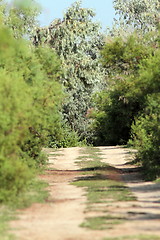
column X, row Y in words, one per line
column 60, row 217
column 142, row 216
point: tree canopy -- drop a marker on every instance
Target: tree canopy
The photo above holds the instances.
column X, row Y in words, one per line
column 77, row 40
column 139, row 15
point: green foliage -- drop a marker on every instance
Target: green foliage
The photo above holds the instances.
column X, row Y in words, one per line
column 50, row 62
column 146, row 131
column 77, row 41
column 130, row 105
column 65, row 137
column 29, row 111
column 146, row 137
column 117, row 106
column 124, row 56
column 14, row 113
column 5, row 216
column 20, row 17
column 141, row 15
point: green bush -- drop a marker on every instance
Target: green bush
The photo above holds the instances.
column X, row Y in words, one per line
column 66, row 137
column 30, row 105
column 14, row 114
column 146, row 130
column 115, row 114
column 117, row 107
column 146, row 137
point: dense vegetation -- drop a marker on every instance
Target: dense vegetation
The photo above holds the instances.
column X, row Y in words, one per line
column 68, row 82
column 127, row 110
column 30, row 110
column 77, row 40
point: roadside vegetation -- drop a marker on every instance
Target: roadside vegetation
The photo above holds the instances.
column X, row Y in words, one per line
column 6, row 215
column 127, row 110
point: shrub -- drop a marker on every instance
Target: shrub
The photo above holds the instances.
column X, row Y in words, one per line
column 30, row 104
column 146, row 137
column 124, row 98
column 146, row 130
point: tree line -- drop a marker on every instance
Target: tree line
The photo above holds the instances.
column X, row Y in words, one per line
column 68, row 84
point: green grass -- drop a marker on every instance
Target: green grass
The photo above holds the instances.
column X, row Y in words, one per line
column 138, row 237
column 157, row 180
column 36, row 193
column 101, row 187
column 101, row 222
column 55, row 154
column 6, row 215
column 90, row 151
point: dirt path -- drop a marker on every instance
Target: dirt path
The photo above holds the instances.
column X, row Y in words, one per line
column 60, row 217
column 143, row 215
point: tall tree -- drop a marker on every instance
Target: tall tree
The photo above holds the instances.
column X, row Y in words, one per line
column 77, row 40
column 142, row 15
column 20, row 17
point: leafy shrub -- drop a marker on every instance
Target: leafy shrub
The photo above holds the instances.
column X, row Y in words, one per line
column 30, row 104
column 146, row 130
column 66, row 137
column 117, row 107
column 14, row 113
column 146, row 137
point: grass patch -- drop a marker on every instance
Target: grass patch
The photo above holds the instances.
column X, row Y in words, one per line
column 101, row 223
column 90, row 151
column 102, row 186
column 56, row 154
column 6, row 215
column 92, row 166
column 138, row 237
column 36, row 193
column 157, row 180
column 100, row 189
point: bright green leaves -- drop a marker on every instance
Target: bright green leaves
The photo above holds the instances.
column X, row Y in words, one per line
column 130, row 105
column 29, row 110
column 120, row 56
column 146, row 130
column 121, row 101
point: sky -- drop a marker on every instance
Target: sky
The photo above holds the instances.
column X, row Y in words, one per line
column 52, row 9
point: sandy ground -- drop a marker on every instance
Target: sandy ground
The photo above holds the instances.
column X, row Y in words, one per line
column 143, row 216
column 60, row 217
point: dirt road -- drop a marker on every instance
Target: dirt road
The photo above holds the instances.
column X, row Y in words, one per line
column 59, row 218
